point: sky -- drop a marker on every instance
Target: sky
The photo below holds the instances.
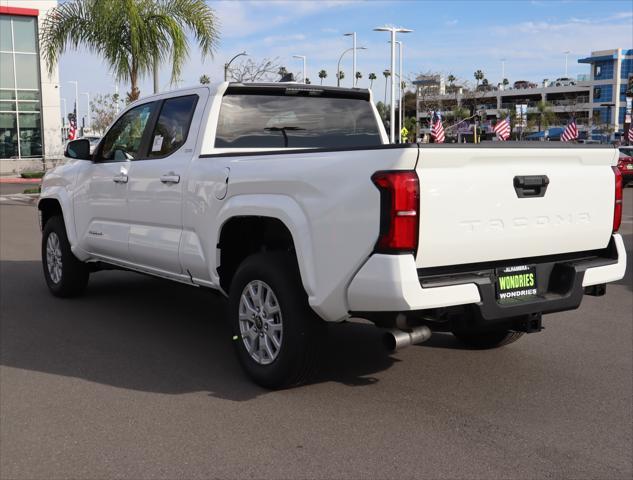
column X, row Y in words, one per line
column 449, row 37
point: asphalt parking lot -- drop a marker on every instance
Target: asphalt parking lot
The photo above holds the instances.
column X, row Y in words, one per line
column 138, row 380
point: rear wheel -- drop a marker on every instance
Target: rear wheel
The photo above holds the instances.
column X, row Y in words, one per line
column 486, row 340
column 65, row 275
column 275, row 331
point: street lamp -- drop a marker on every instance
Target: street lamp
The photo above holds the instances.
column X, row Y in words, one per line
column 353, row 35
column 392, row 31
column 302, row 57
column 566, row 52
column 228, row 64
column 87, row 94
column 338, row 65
column 400, row 116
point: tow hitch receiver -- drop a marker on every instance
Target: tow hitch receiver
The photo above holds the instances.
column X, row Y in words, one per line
column 531, row 323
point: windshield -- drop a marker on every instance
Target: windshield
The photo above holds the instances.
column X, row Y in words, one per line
column 285, row 121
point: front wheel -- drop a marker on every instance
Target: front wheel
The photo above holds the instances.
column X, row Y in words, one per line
column 275, row 331
column 65, row 275
column 486, row 340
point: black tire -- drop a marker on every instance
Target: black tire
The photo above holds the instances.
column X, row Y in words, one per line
column 74, row 273
column 302, row 328
column 486, row 340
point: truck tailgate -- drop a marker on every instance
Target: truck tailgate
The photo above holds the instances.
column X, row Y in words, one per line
column 483, row 204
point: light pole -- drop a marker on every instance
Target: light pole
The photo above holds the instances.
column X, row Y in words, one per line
column 65, row 112
column 87, row 94
column 302, row 57
column 393, row 31
column 566, row 52
column 228, row 64
column 338, row 65
column 400, row 116
column 116, row 91
column 353, row 35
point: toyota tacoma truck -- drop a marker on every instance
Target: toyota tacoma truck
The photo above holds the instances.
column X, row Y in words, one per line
column 290, row 201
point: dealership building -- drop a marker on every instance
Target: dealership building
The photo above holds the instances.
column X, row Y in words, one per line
column 596, row 99
column 30, row 118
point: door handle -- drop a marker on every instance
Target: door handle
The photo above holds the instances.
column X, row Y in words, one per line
column 170, row 178
column 120, row 178
column 530, row 185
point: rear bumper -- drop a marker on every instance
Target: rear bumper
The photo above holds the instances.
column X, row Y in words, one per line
column 391, row 283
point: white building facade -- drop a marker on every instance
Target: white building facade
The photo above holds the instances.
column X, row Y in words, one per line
column 30, row 117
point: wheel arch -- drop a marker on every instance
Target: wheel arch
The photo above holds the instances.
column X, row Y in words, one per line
column 251, row 223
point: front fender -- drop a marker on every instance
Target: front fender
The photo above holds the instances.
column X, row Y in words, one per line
column 288, row 211
column 58, row 185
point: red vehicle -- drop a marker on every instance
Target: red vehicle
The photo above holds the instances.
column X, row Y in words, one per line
column 625, row 164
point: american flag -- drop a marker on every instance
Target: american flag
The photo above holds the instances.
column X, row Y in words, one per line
column 72, row 120
column 571, row 132
column 502, row 129
column 437, row 130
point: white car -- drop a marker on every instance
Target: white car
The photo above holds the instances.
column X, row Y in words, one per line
column 289, row 200
column 564, row 82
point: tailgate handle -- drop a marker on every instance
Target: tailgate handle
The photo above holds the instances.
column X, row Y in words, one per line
column 528, row 186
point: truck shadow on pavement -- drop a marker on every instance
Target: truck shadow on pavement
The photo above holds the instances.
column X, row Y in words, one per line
column 136, row 332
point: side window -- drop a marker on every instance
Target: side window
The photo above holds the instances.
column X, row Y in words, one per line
column 173, row 124
column 123, row 140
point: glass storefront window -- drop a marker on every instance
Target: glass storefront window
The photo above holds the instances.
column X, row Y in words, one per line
column 28, row 95
column 7, row 78
column 7, row 106
column 28, row 106
column 8, row 135
column 24, row 34
column 26, row 70
column 6, row 43
column 20, row 121
column 30, row 135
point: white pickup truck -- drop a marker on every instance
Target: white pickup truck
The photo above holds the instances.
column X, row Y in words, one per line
column 288, row 199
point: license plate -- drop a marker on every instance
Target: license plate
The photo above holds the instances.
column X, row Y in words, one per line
column 629, row 166
column 516, row 282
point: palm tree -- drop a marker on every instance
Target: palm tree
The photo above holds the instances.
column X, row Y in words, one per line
column 205, row 80
column 484, row 81
column 386, row 73
column 322, row 75
column 340, row 75
column 358, row 76
column 132, row 36
column 545, row 116
column 372, row 77
column 479, row 75
column 451, row 79
column 505, row 82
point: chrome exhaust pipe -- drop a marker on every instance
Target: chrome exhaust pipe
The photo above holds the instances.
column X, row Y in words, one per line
column 395, row 338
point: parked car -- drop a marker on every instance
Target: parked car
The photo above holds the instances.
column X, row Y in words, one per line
column 289, row 200
column 564, row 82
column 524, row 84
column 625, row 164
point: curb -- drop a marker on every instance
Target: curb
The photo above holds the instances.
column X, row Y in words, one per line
column 19, row 180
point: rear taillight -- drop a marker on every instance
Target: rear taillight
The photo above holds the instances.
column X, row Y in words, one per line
column 617, row 211
column 399, row 211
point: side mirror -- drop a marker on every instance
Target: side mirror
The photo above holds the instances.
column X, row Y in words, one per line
column 78, row 149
